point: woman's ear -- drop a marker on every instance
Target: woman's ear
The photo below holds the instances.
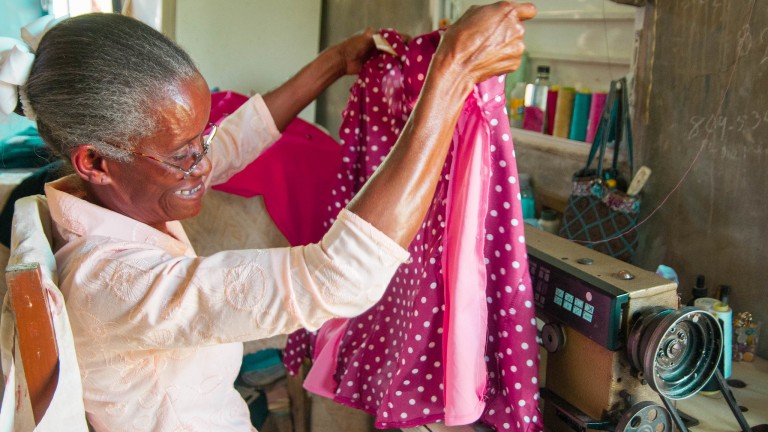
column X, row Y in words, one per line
column 90, row 165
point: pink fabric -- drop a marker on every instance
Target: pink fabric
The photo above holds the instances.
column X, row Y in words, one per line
column 391, row 360
column 324, row 361
column 465, row 309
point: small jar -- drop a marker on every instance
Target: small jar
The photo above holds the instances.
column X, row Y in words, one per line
column 549, row 221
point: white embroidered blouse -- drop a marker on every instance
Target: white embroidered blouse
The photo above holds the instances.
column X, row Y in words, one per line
column 159, row 331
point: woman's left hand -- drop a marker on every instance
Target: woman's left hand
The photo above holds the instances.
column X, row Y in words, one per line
column 355, row 50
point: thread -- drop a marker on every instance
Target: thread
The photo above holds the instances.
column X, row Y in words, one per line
column 596, row 106
column 725, row 314
column 563, row 112
column 581, row 104
column 552, row 104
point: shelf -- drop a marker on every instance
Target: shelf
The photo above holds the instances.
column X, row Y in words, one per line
column 577, row 150
column 550, row 144
column 574, row 15
column 580, row 58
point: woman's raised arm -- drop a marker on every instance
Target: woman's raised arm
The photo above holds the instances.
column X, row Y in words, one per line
column 485, row 42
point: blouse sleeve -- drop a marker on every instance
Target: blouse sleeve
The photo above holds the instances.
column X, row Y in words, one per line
column 141, row 295
column 241, row 138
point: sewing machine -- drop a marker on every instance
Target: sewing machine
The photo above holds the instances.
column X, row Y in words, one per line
column 618, row 350
column 618, row 353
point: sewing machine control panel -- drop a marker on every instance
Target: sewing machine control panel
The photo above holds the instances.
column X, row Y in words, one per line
column 571, row 301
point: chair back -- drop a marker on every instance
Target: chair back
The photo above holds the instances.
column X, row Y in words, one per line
column 34, row 330
column 43, row 390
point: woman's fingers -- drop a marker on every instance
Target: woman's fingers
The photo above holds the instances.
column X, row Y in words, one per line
column 488, row 40
column 525, row 11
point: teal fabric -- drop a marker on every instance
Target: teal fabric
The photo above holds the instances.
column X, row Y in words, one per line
column 14, row 14
column 260, row 360
column 262, row 368
column 32, row 185
column 24, row 150
column 13, row 125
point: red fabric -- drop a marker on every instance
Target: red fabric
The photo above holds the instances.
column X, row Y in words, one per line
column 223, row 104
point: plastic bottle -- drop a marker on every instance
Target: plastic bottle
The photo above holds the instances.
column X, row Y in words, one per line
column 517, row 105
column 699, row 290
column 535, row 117
column 526, row 197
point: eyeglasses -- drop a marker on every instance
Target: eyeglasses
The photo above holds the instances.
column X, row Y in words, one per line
column 198, row 155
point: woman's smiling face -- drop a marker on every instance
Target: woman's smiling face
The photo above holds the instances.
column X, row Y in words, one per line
column 150, row 191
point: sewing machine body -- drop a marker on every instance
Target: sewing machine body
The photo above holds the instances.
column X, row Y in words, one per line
column 587, row 301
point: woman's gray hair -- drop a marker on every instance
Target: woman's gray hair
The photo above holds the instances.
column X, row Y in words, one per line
column 96, row 79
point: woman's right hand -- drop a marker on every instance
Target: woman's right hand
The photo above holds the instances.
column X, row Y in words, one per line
column 486, row 41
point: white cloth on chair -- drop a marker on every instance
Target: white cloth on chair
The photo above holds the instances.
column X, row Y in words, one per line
column 30, row 242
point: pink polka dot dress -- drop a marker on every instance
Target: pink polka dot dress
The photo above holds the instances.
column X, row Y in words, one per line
column 454, row 338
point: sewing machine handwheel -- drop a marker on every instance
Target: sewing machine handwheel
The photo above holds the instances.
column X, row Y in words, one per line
column 676, row 350
column 645, row 417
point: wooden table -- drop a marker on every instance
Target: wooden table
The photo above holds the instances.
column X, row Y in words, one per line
column 713, row 412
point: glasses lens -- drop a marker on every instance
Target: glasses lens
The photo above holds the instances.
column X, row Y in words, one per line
column 200, row 155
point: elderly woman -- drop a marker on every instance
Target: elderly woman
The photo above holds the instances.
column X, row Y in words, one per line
column 159, row 330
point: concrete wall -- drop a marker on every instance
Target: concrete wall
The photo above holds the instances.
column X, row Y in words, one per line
column 701, row 118
column 249, row 45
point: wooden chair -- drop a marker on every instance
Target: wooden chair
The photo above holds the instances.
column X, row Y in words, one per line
column 43, row 387
column 36, row 338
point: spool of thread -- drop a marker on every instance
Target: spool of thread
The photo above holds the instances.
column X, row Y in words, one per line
column 596, row 106
column 580, row 116
column 725, row 314
column 705, row 303
column 564, row 112
column 552, row 97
